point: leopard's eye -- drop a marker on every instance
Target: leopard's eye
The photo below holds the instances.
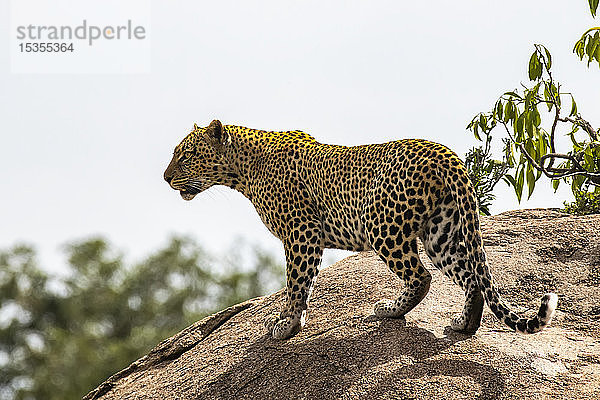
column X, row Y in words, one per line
column 185, row 155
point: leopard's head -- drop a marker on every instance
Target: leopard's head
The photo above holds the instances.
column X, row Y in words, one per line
column 198, row 161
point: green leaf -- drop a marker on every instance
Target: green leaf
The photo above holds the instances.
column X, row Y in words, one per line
column 529, row 126
column 530, row 180
column 515, row 115
column 538, row 68
column 543, row 144
column 533, row 62
column 578, row 48
column 573, row 107
column 519, row 185
column 528, row 98
column 537, row 119
column 592, row 46
column 572, row 136
column 484, row 210
column 593, row 7
column 596, row 53
column 512, row 94
column 555, row 183
column 499, row 109
column 508, row 111
column 589, row 157
column 510, row 181
column 548, row 95
column 529, row 148
column 519, row 126
column 509, row 153
column 577, row 182
column 476, row 131
column 548, row 59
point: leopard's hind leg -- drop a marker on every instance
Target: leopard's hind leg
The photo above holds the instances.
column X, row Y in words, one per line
column 443, row 243
column 407, row 266
column 392, row 233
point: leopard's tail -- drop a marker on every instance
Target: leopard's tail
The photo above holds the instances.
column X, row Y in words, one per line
column 455, row 178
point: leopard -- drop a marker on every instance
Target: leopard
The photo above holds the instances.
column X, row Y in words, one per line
column 377, row 197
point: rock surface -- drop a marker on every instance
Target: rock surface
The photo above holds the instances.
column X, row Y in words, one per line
column 345, row 353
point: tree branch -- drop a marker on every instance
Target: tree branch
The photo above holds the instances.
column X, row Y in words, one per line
column 586, row 126
column 552, row 172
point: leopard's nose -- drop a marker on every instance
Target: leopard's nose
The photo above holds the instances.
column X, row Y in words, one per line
column 168, row 178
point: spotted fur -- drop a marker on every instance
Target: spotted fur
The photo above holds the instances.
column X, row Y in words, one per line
column 380, row 197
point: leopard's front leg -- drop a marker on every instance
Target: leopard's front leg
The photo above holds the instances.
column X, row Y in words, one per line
column 303, row 257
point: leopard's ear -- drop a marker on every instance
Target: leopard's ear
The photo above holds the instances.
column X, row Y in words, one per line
column 196, row 127
column 216, row 135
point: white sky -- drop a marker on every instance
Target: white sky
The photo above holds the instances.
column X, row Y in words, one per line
column 84, row 154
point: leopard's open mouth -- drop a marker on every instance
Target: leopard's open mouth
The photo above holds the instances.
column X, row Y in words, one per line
column 187, row 195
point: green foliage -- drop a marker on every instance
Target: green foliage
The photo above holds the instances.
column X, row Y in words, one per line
column 593, row 6
column 518, row 112
column 60, row 336
column 588, row 46
column 585, row 203
column 530, row 149
column 484, row 173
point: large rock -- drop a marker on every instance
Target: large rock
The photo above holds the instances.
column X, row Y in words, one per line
column 345, row 353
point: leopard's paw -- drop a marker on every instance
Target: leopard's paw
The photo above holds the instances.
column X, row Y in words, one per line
column 387, row 309
column 284, row 328
column 458, row 323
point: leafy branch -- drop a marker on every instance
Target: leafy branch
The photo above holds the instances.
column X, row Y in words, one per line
column 485, row 173
column 589, row 43
column 531, row 149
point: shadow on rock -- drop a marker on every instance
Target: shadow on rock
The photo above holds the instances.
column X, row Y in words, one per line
column 326, row 366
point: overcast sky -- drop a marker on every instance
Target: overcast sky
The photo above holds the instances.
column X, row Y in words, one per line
column 83, row 154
